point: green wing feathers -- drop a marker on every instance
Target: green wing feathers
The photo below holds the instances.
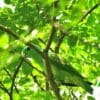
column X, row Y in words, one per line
column 87, row 87
column 65, row 74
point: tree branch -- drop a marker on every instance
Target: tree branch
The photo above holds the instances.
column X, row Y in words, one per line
column 14, row 77
column 50, row 77
column 50, row 39
column 49, row 71
column 55, row 4
column 46, row 58
column 45, row 44
column 5, row 29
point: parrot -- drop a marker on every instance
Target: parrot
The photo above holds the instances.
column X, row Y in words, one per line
column 65, row 74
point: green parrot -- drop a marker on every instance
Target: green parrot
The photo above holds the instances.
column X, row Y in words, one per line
column 65, row 74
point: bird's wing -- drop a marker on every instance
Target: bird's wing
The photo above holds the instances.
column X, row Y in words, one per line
column 65, row 67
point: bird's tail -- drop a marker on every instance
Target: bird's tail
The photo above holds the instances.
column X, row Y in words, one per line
column 87, row 87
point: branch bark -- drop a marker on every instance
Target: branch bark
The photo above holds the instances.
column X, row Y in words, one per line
column 13, row 34
column 48, row 67
column 50, row 78
column 5, row 29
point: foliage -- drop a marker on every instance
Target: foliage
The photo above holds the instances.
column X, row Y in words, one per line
column 31, row 31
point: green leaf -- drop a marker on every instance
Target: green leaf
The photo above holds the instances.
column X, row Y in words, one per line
column 37, row 59
column 41, row 95
column 97, row 56
column 91, row 20
column 26, row 69
column 7, row 1
column 23, row 80
column 90, row 98
column 4, row 56
column 12, row 62
column 72, row 41
column 7, row 80
column 4, row 40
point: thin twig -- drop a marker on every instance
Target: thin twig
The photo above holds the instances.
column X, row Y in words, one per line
column 60, row 39
column 14, row 77
column 4, row 88
column 91, row 10
column 36, row 81
column 45, row 44
column 11, row 78
column 25, row 60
